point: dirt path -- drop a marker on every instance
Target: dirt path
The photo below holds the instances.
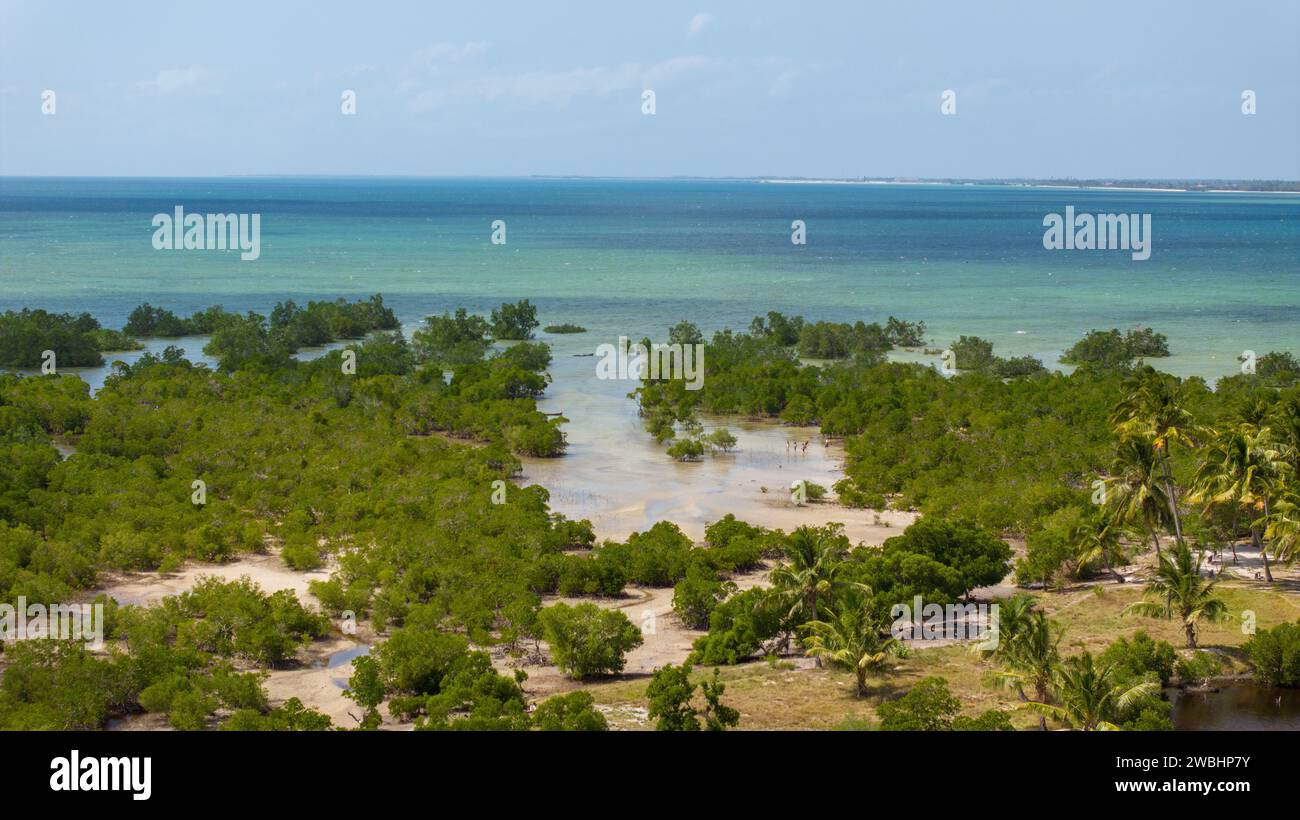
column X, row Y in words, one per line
column 1250, row 565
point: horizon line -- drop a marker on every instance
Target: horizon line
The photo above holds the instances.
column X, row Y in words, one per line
column 986, row 180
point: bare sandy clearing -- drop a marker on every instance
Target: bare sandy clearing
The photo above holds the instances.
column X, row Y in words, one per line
column 667, row 639
column 267, row 570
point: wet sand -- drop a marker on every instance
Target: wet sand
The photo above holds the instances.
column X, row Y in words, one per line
column 321, row 676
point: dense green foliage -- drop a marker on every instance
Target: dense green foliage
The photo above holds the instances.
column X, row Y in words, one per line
column 740, row 627
column 149, row 321
column 293, row 716
column 698, row 594
column 1092, row 467
column 302, row 454
column 174, row 461
column 1140, row 655
column 975, row 355
column 291, row 326
column 77, row 341
column 514, row 321
column 930, row 707
column 1110, row 350
column 435, row 678
column 1003, row 452
column 818, row 590
column 235, row 619
column 830, row 340
column 904, row 334
column 586, row 640
column 1275, row 654
column 837, row 340
column 175, row 658
column 659, row 557
column 938, row 559
column 308, row 457
column 759, row 373
column 573, row 712
column 108, row 340
column 252, row 341
column 451, row 340
column 1279, row 369
column 671, row 694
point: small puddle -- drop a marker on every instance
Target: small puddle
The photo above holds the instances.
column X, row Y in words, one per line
column 342, row 661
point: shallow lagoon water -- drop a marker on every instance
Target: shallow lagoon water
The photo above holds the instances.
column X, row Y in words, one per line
column 617, row 476
column 633, row 257
column 1238, row 707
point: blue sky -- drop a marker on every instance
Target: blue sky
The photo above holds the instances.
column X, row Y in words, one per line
column 815, row 89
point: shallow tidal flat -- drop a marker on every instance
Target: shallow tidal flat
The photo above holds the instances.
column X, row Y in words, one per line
column 618, row 477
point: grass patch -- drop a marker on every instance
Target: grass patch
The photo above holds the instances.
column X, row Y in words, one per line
column 1093, row 620
column 775, row 696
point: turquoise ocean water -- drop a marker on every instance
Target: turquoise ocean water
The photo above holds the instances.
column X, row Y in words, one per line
column 633, row 257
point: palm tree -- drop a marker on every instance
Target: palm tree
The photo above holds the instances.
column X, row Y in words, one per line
column 1091, row 698
column 1242, row 465
column 1027, row 648
column 1096, row 539
column 1184, row 591
column 853, row 639
column 1283, row 522
column 1152, row 409
column 1285, row 422
column 815, row 557
column 1137, row 488
column 1255, row 409
column 1283, row 527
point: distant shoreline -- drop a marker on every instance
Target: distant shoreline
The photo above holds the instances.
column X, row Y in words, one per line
column 1090, row 185
column 1190, row 185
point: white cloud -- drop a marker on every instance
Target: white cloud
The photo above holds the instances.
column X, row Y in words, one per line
column 175, row 79
column 668, row 69
column 550, row 87
column 451, row 52
column 698, row 23
column 555, row 87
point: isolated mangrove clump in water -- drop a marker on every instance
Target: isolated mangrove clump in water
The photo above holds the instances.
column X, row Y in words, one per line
column 28, row 337
column 564, row 328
